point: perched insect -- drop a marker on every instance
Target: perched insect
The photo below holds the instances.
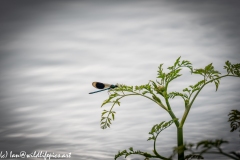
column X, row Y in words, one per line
column 102, row 86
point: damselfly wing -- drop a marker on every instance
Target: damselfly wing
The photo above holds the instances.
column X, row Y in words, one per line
column 102, row 86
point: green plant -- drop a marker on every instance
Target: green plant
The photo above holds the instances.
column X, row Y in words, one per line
column 157, row 91
column 234, row 119
column 212, row 146
column 206, row 147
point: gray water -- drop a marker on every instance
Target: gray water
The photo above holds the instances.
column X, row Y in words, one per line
column 51, row 52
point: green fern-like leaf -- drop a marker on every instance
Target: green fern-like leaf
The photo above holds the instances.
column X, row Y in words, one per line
column 131, row 151
column 157, row 128
column 193, row 156
column 233, row 69
column 234, row 118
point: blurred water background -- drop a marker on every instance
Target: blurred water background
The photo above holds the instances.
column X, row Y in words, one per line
column 51, row 52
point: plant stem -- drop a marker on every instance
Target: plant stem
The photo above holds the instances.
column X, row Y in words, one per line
column 180, row 142
column 173, row 117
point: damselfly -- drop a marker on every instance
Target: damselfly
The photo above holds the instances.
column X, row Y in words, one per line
column 102, row 86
